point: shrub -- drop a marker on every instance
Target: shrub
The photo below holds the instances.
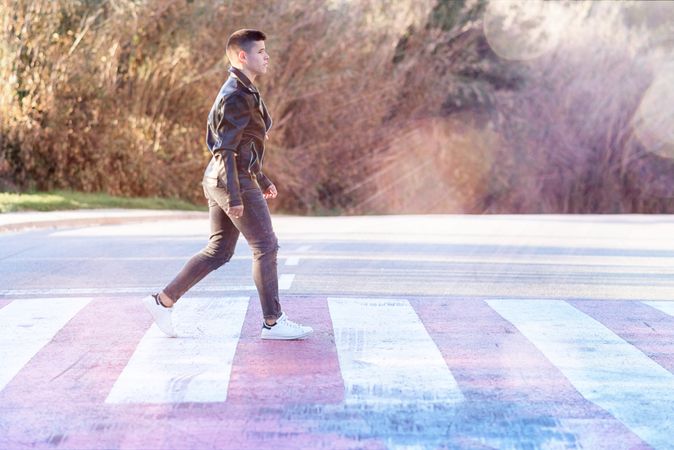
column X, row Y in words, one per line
column 113, row 96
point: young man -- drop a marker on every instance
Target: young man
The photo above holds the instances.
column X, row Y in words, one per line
column 236, row 190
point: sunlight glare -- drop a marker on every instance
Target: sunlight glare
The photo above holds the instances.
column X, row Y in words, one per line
column 655, row 115
column 524, row 29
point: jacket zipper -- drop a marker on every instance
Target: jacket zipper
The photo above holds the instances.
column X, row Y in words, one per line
column 253, row 154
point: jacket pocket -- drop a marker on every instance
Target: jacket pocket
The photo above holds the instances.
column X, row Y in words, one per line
column 215, row 174
column 212, row 173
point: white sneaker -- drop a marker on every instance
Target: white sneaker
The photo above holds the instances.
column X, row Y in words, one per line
column 160, row 314
column 285, row 329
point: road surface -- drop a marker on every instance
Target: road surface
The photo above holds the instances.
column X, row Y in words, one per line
column 476, row 332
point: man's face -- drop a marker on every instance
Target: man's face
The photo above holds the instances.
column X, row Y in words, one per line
column 257, row 59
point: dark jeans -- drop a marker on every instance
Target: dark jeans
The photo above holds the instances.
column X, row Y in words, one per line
column 255, row 224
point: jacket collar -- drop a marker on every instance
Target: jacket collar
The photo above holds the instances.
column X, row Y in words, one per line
column 243, row 78
column 251, row 87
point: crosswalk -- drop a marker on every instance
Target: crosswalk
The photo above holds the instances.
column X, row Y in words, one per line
column 605, row 369
column 195, row 368
column 598, row 357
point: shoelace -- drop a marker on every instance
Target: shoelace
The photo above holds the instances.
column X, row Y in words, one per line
column 292, row 324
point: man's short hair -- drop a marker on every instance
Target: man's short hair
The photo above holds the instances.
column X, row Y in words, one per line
column 242, row 40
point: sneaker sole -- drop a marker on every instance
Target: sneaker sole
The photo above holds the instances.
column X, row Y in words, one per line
column 279, row 338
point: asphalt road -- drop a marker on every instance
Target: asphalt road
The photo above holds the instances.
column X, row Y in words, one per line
column 430, row 332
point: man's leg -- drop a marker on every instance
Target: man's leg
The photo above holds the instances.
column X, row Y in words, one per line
column 259, row 233
column 256, row 227
column 219, row 250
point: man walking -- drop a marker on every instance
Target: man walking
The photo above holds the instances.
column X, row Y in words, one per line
column 236, row 190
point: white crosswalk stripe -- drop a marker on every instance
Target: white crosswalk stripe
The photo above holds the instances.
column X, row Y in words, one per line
column 285, row 281
column 28, row 325
column 664, row 306
column 603, row 367
column 195, row 367
column 292, row 261
column 386, row 355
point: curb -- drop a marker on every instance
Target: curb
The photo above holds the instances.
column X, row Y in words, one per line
column 101, row 219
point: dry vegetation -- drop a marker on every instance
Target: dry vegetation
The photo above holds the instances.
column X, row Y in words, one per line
column 502, row 116
column 379, row 106
column 575, row 142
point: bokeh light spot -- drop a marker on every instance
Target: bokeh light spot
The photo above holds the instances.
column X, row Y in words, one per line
column 654, row 119
column 524, row 29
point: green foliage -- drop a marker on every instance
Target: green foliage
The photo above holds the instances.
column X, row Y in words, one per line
column 61, row 200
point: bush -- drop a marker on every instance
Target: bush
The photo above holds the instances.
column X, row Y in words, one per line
column 531, row 107
column 113, row 96
column 379, row 106
column 571, row 132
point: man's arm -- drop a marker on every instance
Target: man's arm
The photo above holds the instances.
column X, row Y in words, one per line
column 226, row 160
column 234, row 114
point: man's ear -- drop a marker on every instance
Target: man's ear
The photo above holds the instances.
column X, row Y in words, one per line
column 242, row 56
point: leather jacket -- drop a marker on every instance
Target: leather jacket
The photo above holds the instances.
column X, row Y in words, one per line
column 235, row 133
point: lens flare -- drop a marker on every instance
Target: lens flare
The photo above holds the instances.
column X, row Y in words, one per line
column 524, row 29
column 654, row 120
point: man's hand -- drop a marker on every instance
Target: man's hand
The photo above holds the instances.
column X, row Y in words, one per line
column 271, row 192
column 235, row 211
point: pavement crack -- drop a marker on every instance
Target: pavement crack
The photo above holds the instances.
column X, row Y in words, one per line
column 11, row 255
column 69, row 367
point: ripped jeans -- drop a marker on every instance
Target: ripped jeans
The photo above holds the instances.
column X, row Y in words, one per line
column 256, row 227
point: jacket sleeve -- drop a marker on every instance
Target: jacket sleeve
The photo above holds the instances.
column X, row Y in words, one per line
column 232, row 117
column 226, row 161
column 263, row 181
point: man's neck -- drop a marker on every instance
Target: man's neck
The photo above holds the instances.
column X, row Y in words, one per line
column 247, row 73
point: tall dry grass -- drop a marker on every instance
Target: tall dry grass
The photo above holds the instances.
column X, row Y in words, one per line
column 113, row 96
column 332, row 88
column 572, row 132
column 533, row 107
column 97, row 98
column 439, row 149
column 379, row 106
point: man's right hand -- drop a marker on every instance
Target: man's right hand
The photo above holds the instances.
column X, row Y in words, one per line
column 235, row 211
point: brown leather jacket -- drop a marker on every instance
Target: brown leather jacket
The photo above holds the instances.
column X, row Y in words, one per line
column 235, row 133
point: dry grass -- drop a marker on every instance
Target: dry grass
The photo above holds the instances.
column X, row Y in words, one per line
column 500, row 116
column 113, row 96
column 379, row 106
column 571, row 131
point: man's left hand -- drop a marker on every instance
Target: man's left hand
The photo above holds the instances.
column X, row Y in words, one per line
column 271, row 192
